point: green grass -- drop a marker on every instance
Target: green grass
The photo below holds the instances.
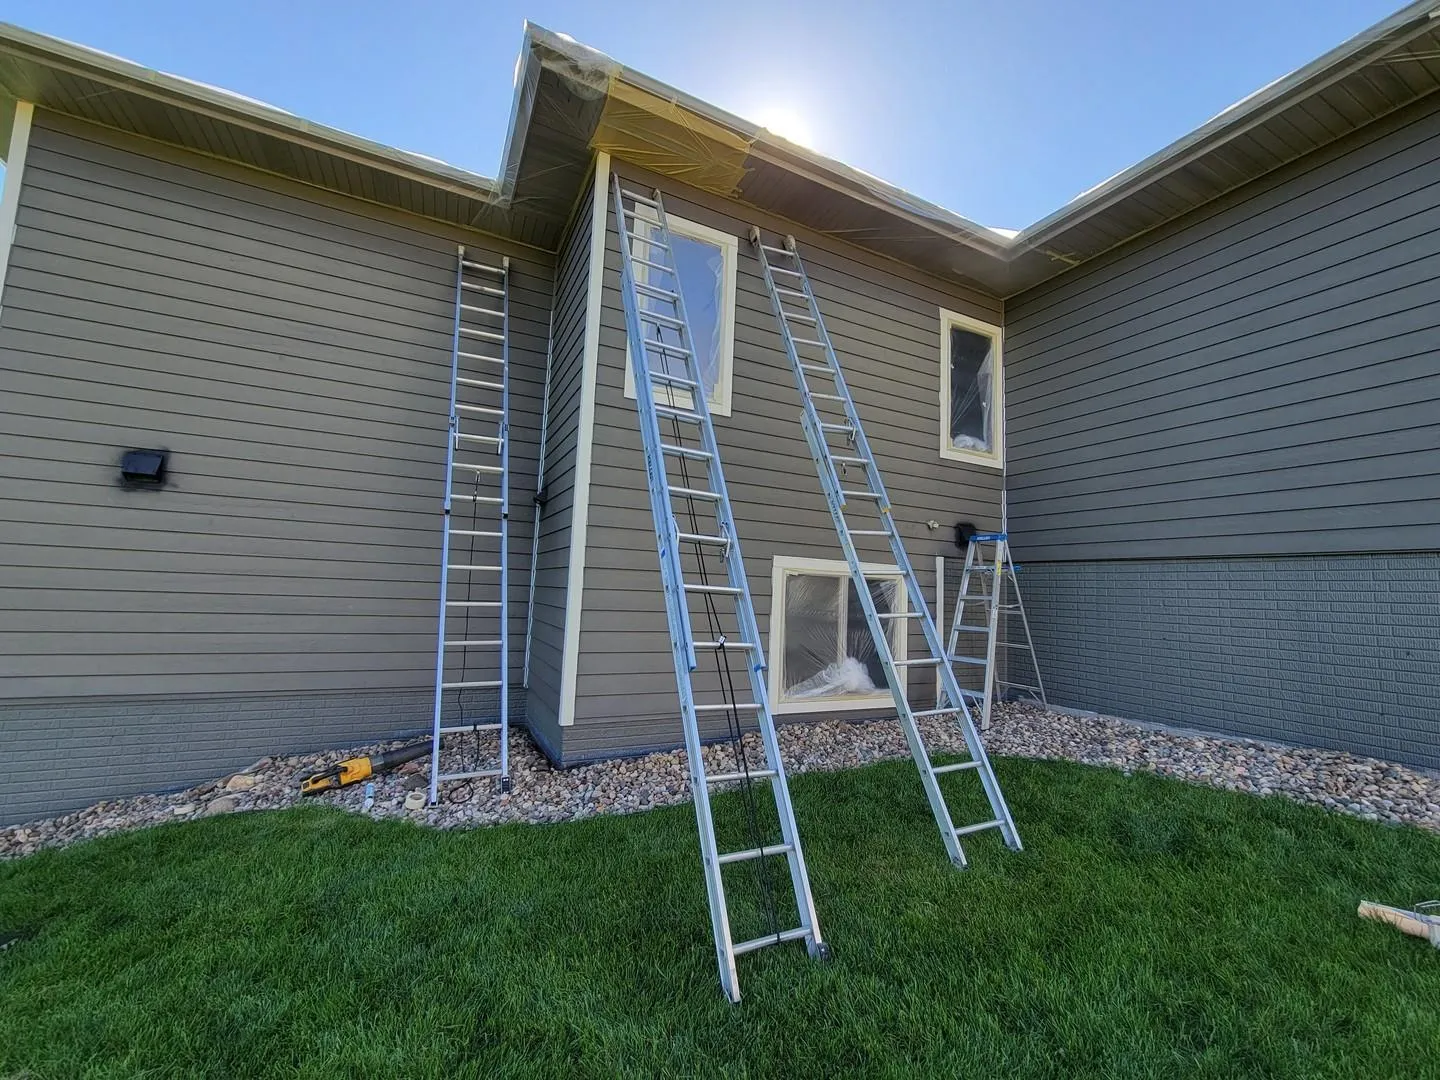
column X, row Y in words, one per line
column 1149, row 929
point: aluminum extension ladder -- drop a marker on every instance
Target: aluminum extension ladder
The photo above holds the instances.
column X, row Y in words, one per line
column 794, row 305
column 665, row 367
column 475, row 549
column 994, row 568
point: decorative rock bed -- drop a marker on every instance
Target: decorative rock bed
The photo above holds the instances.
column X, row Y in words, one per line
column 1365, row 787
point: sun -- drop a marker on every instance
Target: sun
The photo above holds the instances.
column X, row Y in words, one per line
column 787, row 122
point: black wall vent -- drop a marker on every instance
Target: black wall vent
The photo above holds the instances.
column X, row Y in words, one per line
column 143, row 468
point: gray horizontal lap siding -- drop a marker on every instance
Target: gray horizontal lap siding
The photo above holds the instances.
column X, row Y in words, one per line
column 1259, row 378
column 884, row 320
column 572, row 276
column 291, row 351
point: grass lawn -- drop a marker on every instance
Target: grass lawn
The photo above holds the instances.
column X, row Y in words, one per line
column 1149, row 929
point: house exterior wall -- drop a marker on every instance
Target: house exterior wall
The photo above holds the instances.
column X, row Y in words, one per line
column 885, row 322
column 291, row 351
column 1244, row 403
column 547, row 651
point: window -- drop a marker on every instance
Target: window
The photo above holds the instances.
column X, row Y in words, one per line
column 971, row 391
column 822, row 657
column 705, row 259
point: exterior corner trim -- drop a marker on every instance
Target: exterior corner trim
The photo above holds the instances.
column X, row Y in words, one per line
column 14, row 177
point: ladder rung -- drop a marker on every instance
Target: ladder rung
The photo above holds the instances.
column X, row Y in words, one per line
column 673, row 380
column 773, row 250
column 823, row 368
column 486, row 267
column 784, row 269
column 966, row 830
column 483, row 335
column 666, row 347
column 898, row 614
column 783, row 291
column 626, row 193
column 488, row 290
column 761, row 852
column 972, row 629
column 827, row 397
column 489, row 500
column 476, row 468
column 472, row 603
column 738, row 705
column 655, row 245
column 972, row 661
column 961, row 766
column 869, row 532
column 471, row 566
column 836, row 427
column 730, row 777
column 462, row 729
column 807, row 341
column 928, row 661
column 659, row 294
column 694, row 493
column 798, row 934
column 483, row 410
column 796, row 316
column 725, row 645
column 476, row 643
column 478, row 356
column 849, row 460
column 662, row 320
column 860, row 494
column 481, row 383
column 473, row 532
column 486, row 684
column 685, row 452
column 700, row 538
column 497, row 312
column 678, row 414
column 717, row 590
column 467, row 775
column 653, row 265
column 933, row 712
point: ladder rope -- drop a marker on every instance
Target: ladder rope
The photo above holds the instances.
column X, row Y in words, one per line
column 732, row 715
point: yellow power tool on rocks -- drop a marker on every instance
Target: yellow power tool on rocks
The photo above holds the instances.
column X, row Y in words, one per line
column 353, row 770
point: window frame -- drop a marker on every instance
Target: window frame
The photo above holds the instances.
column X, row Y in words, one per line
column 783, row 565
column 995, row 458
column 721, row 403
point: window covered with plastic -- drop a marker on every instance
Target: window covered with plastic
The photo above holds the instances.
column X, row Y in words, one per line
column 827, row 651
column 705, row 264
column 970, row 391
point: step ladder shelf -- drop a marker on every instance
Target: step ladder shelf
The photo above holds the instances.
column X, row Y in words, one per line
column 711, row 546
column 474, row 576
column 872, row 502
column 988, row 565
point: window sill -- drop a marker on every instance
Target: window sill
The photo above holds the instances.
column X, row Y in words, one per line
column 824, row 705
column 972, row 457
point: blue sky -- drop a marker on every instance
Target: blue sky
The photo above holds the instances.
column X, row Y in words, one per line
column 1000, row 111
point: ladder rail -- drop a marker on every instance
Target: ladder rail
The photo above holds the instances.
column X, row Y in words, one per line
column 668, row 539
column 815, row 428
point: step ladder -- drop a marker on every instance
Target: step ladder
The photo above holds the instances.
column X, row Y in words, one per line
column 852, row 485
column 990, row 596
column 472, row 654
column 696, row 538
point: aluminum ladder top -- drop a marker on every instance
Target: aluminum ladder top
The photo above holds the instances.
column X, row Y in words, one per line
column 994, row 571
column 472, row 663
column 665, row 367
column 803, row 328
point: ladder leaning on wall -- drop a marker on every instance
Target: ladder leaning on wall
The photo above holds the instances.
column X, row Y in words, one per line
column 670, row 394
column 997, row 604
column 795, row 307
column 472, row 652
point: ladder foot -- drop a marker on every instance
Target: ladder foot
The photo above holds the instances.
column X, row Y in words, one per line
column 505, row 785
column 820, row 951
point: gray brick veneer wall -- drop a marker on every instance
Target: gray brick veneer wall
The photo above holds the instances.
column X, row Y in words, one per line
column 62, row 755
column 1336, row 651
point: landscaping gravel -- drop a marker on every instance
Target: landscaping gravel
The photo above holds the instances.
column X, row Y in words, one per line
column 1365, row 787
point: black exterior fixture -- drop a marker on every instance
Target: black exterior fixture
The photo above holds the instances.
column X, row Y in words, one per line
column 143, row 468
column 963, row 531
